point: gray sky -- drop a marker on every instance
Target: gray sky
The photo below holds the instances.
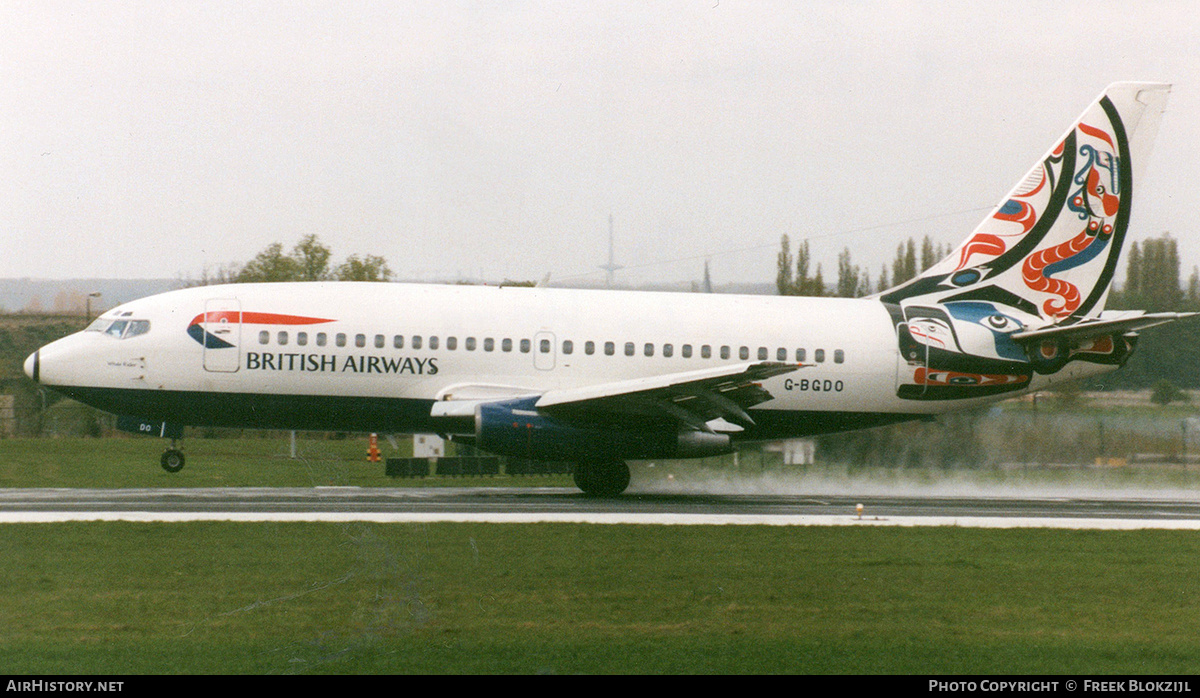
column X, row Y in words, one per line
column 153, row 139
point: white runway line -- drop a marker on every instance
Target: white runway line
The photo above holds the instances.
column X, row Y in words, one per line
column 629, row 519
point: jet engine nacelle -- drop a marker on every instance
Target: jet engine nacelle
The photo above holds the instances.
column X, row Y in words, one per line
column 516, row 428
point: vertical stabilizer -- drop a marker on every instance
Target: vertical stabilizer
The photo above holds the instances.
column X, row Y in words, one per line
column 1051, row 248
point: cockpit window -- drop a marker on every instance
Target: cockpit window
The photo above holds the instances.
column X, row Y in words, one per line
column 120, row 329
column 117, row 328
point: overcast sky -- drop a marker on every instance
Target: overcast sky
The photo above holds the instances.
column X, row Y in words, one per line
column 494, row 139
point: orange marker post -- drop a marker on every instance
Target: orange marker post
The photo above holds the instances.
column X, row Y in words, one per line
column 373, row 449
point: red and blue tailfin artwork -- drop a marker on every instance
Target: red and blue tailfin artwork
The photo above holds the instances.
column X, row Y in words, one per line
column 1035, row 274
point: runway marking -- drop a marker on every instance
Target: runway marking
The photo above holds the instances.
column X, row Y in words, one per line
column 606, row 518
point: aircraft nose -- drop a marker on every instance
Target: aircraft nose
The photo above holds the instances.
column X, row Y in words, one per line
column 33, row 366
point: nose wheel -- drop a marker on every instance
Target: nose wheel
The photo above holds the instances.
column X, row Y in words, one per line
column 172, row 460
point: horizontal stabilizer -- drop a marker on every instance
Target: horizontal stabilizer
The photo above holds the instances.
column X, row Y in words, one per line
column 1108, row 322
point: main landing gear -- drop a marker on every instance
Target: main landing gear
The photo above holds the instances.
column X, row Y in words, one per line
column 172, row 459
column 602, row 478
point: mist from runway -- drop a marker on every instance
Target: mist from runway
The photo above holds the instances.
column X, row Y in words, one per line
column 1052, row 448
column 1143, row 481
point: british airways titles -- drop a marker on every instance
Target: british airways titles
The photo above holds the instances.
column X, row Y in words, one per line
column 330, row 363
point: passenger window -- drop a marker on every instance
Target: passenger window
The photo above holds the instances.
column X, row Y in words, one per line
column 452, row 343
column 489, row 344
column 433, row 342
column 568, row 346
column 628, row 348
column 506, row 344
column 800, row 354
column 544, row 346
column 589, row 348
column 360, row 340
column 762, row 353
column 302, row 339
column 839, row 356
column 668, row 350
column 686, row 351
column 524, row 346
column 282, row 339
column 705, row 351
column 379, row 341
column 321, row 339
column 648, row 349
column 744, row 353
column 725, row 351
column 819, row 355
column 398, row 341
column 610, row 348
column 264, row 337
column 470, row 344
column 416, row 341
column 781, row 354
column 340, row 339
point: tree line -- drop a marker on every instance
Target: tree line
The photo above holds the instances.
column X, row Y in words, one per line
column 1152, row 278
column 794, row 278
column 308, row 260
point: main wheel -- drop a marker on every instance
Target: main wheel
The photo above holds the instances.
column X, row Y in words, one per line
column 602, row 478
column 172, row 460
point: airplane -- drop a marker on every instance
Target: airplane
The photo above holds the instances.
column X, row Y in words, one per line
column 599, row 378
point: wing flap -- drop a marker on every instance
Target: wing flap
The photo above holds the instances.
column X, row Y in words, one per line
column 691, row 398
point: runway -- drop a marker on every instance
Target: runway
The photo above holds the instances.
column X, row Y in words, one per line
column 546, row 504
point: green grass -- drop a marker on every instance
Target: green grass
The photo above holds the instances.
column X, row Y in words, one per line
column 558, row 598
column 224, row 462
column 276, row 598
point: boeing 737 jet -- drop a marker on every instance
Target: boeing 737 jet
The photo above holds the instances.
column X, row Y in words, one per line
column 602, row 377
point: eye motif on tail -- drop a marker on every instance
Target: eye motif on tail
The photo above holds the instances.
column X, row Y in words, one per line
column 1042, row 261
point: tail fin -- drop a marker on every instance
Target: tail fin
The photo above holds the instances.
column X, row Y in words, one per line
column 1051, row 247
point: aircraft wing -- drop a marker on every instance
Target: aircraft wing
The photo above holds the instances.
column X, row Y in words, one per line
column 692, row 398
column 1106, row 323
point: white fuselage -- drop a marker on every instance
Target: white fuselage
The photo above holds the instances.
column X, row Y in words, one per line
column 195, row 363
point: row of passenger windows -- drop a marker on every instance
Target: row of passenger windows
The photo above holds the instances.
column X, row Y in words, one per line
column 545, row 346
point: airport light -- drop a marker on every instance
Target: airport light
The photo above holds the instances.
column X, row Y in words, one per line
column 90, row 296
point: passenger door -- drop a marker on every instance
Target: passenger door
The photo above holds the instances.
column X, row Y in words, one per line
column 544, row 351
column 223, row 335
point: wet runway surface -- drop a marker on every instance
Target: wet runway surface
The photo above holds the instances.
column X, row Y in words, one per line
column 503, row 504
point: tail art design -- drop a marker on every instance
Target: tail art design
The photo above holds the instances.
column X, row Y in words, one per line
column 1044, row 258
column 1096, row 202
column 1019, row 209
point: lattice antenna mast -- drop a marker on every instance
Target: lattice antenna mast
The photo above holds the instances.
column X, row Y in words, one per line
column 612, row 266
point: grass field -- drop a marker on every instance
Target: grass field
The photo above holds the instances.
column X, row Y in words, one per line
column 226, row 462
column 275, row 598
column 556, row 598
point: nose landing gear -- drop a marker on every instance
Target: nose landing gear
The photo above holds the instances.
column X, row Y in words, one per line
column 172, row 459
